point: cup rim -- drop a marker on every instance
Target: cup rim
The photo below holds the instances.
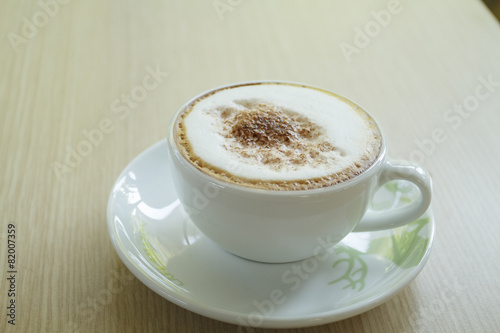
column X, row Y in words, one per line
column 175, row 153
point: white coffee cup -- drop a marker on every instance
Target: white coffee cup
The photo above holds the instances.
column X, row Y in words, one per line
column 282, row 226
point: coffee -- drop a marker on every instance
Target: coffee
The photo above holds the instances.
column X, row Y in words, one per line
column 277, row 136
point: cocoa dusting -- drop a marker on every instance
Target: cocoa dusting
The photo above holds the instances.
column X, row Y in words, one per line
column 274, row 136
column 264, row 126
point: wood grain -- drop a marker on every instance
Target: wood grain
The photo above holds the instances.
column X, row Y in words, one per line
column 63, row 79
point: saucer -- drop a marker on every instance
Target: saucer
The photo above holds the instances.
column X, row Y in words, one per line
column 159, row 244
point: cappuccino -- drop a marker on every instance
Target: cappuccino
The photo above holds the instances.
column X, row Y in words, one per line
column 277, row 136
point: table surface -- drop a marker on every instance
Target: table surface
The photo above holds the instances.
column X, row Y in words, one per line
column 429, row 72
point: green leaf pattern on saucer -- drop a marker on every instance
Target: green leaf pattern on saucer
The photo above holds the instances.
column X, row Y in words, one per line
column 356, row 271
column 150, row 247
column 405, row 247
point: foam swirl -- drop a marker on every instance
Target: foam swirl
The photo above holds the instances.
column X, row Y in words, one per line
column 277, row 136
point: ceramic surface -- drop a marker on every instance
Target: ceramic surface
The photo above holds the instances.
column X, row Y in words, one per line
column 157, row 241
column 285, row 226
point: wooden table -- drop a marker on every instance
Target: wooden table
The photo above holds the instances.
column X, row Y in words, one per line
column 429, row 71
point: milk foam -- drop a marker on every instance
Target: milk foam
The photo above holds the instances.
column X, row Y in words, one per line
column 324, row 139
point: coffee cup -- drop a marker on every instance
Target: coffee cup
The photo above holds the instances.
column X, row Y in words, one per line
column 278, row 171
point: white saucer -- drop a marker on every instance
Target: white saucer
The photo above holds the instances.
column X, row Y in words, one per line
column 156, row 240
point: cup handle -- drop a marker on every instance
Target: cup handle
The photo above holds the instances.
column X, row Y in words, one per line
column 396, row 217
